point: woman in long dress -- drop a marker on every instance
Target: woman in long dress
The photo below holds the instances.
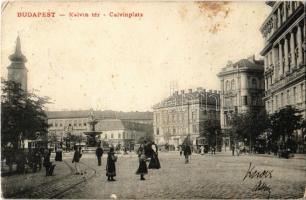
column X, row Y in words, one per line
column 142, row 169
column 154, row 162
column 110, row 166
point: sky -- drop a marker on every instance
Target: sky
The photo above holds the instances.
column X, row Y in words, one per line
column 128, row 64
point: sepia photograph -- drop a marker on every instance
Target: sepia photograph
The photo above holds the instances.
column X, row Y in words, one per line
column 153, row 99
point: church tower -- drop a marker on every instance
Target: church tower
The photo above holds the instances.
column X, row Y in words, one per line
column 17, row 71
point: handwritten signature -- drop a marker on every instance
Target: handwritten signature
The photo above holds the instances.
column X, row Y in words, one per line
column 253, row 173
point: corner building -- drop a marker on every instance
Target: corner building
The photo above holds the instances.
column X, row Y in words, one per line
column 242, row 90
column 284, row 57
column 183, row 114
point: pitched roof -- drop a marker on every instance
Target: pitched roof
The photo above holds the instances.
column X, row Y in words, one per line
column 106, row 114
column 110, row 125
column 194, row 97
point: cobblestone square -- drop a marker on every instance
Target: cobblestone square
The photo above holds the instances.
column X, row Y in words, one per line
column 207, row 176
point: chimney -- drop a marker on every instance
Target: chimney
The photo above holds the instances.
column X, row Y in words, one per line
column 252, row 58
column 176, row 93
column 190, row 90
column 182, row 91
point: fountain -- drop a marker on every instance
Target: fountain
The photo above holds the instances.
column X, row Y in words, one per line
column 92, row 133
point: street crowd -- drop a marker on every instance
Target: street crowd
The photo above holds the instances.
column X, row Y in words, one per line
column 145, row 153
column 33, row 160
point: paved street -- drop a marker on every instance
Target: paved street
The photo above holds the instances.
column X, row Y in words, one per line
column 208, row 176
column 219, row 176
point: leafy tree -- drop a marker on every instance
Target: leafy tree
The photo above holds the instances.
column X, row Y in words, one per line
column 285, row 122
column 209, row 129
column 248, row 126
column 22, row 114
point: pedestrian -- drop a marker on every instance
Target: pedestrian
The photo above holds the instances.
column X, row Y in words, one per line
column 233, row 150
column 202, row 150
column 48, row 164
column 154, row 162
column 58, row 154
column 9, row 157
column 142, row 168
column 148, row 151
column 214, row 150
column 181, row 150
column 110, row 165
column 187, row 153
column 36, row 160
column 76, row 159
column 99, row 154
column 237, row 150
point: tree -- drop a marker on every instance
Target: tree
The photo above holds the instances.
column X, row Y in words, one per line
column 210, row 129
column 249, row 126
column 22, row 114
column 285, row 122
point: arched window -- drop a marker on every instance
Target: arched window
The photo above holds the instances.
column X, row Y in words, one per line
column 233, row 86
column 254, row 83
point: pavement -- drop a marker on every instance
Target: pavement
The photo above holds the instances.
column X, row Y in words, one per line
column 37, row 185
column 208, row 176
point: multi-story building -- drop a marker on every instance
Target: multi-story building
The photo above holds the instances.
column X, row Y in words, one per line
column 183, row 114
column 242, row 90
column 284, row 55
column 123, row 128
column 118, row 132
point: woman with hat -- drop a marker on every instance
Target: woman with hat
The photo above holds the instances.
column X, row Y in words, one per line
column 110, row 165
column 142, row 169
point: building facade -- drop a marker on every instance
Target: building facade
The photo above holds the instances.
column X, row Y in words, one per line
column 183, row 114
column 17, row 71
column 284, row 55
column 117, row 132
column 114, row 130
column 242, row 90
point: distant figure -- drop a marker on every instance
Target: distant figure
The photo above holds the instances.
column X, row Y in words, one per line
column 213, row 149
column 142, row 168
column 202, row 150
column 76, row 159
column 154, row 162
column 36, row 160
column 237, row 150
column 233, row 150
column 59, row 154
column 187, row 153
column 99, row 154
column 148, row 151
column 110, row 165
column 9, row 158
column 48, row 164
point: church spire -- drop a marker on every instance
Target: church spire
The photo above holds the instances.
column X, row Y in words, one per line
column 18, row 56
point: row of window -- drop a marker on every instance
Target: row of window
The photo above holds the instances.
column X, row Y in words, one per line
column 61, row 123
column 231, row 85
column 119, row 136
column 177, row 130
column 253, row 100
column 289, row 97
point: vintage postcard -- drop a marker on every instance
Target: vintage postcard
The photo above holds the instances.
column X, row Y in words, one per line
column 153, row 99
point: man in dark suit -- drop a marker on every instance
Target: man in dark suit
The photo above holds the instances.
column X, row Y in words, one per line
column 99, row 153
